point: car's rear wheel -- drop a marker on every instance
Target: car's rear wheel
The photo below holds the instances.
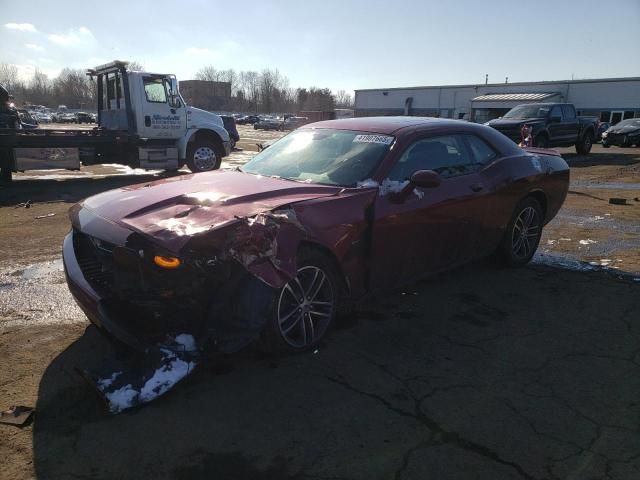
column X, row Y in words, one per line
column 305, row 307
column 523, row 233
column 202, row 157
column 584, row 144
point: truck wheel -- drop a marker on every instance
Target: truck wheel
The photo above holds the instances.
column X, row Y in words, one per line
column 202, row 157
column 542, row 141
column 584, row 144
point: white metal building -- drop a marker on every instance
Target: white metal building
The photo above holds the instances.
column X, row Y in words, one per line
column 609, row 99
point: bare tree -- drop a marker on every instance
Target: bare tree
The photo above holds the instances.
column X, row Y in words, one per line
column 73, row 88
column 343, row 99
column 39, row 88
column 209, row 73
column 9, row 77
column 135, row 66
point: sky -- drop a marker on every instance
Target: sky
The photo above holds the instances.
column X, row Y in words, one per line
column 347, row 44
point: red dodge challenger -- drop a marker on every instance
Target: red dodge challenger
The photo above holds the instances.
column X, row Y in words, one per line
column 328, row 214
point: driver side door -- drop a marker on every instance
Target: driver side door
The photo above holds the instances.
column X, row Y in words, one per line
column 430, row 229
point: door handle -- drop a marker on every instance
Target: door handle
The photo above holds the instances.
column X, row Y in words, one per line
column 173, row 110
column 147, row 120
column 476, row 187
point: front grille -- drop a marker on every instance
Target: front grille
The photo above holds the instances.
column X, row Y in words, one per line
column 94, row 257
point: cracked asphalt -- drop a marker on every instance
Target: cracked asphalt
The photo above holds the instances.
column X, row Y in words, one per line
column 479, row 373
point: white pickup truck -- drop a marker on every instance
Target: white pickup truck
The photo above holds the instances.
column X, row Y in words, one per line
column 143, row 122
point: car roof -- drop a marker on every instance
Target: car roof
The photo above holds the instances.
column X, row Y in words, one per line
column 385, row 125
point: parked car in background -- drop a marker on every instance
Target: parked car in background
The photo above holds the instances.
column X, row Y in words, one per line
column 268, row 123
column 67, row 118
column 553, row 124
column 328, row 214
column 623, row 134
column 602, row 127
column 291, row 123
column 248, row 120
column 27, row 120
column 230, row 126
column 42, row 117
column 84, row 117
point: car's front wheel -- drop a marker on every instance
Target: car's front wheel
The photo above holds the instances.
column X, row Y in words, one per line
column 523, row 233
column 305, row 307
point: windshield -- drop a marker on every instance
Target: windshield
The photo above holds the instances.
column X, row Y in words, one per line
column 325, row 156
column 527, row 111
column 630, row 122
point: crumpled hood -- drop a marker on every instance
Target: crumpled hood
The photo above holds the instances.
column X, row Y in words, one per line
column 174, row 209
column 623, row 130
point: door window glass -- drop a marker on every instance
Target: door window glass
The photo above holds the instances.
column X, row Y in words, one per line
column 568, row 112
column 155, row 90
column 446, row 155
column 556, row 112
column 483, row 154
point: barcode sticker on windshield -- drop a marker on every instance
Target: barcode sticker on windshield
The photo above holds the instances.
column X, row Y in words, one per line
column 384, row 139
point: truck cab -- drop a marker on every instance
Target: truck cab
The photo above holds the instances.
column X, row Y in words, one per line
column 163, row 131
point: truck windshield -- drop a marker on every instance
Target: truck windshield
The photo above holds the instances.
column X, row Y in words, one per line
column 528, row 111
column 324, row 156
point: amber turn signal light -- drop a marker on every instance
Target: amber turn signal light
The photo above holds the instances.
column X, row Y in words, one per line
column 167, row 262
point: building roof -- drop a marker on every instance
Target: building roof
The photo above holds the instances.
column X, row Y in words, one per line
column 514, row 97
column 510, row 84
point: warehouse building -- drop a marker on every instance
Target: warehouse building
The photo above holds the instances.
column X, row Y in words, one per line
column 609, row 99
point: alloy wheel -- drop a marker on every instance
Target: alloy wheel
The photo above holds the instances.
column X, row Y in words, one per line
column 526, row 230
column 305, row 307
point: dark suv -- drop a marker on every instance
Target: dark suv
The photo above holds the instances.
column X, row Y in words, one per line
column 230, row 126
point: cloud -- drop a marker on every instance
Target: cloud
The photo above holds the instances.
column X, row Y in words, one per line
column 34, row 47
column 23, row 27
column 72, row 38
column 199, row 51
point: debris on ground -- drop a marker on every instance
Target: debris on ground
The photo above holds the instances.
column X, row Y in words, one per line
column 45, row 216
column 16, row 415
column 131, row 384
column 618, row 201
column 26, row 204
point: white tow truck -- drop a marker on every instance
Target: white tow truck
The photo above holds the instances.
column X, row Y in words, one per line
column 143, row 122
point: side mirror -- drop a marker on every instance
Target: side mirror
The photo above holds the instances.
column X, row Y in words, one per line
column 556, row 119
column 425, row 179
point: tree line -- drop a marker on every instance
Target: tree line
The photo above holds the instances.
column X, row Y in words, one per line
column 261, row 92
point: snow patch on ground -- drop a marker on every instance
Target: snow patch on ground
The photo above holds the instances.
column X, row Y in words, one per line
column 588, row 241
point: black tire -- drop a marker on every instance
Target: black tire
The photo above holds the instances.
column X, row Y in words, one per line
column 5, row 165
column 583, row 147
column 605, row 145
column 232, row 143
column 300, row 322
column 541, row 141
column 518, row 246
column 203, row 156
